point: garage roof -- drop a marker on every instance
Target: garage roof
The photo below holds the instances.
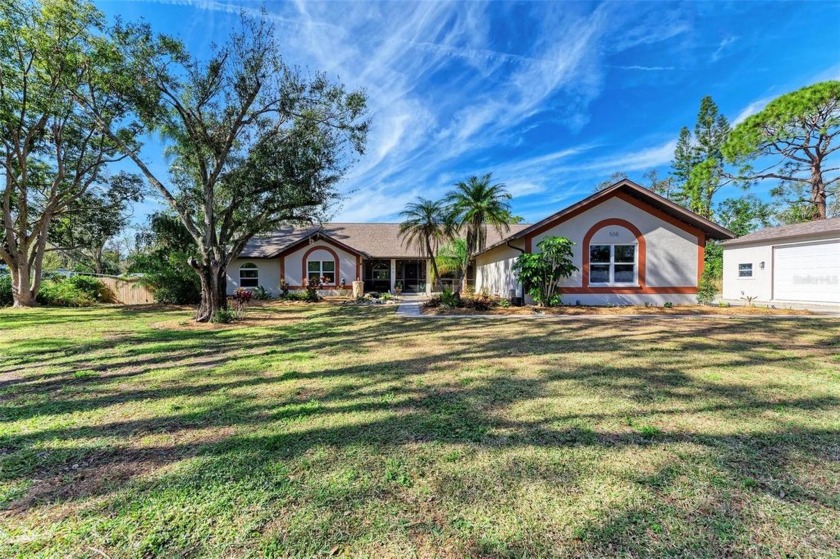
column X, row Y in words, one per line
column 821, row 228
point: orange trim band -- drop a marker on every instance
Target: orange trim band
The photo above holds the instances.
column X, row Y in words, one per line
column 628, row 290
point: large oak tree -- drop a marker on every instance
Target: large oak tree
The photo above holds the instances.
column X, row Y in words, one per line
column 51, row 152
column 253, row 143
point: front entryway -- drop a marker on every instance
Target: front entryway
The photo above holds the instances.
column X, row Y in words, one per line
column 411, row 275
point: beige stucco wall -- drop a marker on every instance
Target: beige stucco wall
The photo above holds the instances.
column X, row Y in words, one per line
column 269, row 268
column 295, row 272
column 671, row 255
column 493, row 270
column 269, row 276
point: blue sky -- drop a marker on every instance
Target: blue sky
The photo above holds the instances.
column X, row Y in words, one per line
column 551, row 97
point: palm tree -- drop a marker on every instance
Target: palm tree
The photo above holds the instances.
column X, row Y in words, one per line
column 425, row 226
column 474, row 205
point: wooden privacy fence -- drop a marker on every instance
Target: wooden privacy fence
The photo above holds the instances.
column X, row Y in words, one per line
column 127, row 291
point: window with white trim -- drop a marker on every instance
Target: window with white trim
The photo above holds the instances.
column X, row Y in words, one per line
column 745, row 270
column 321, row 270
column 613, row 265
column 249, row 275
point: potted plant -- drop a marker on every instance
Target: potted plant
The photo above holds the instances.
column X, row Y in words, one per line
column 398, row 288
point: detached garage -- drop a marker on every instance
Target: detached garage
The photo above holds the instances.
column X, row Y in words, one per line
column 794, row 264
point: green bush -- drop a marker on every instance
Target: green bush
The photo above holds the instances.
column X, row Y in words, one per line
column 707, row 289
column 76, row 291
column 260, row 293
column 5, row 290
column 224, row 316
column 449, row 299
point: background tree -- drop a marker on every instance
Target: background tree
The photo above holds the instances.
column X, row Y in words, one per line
column 474, row 205
column 663, row 186
column 698, row 164
column 51, row 153
column 611, row 180
column 425, row 226
column 164, row 248
column 541, row 271
column 254, row 143
column 744, row 215
column 83, row 232
column 793, row 134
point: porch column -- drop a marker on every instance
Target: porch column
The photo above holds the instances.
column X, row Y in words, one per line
column 429, row 276
column 393, row 274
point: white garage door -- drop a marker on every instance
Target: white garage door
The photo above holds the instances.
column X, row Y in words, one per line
column 807, row 272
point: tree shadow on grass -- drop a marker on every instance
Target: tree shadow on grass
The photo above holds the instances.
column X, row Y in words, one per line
column 393, row 405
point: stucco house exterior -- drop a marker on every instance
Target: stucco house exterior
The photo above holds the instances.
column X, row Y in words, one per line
column 632, row 246
column 790, row 264
column 338, row 252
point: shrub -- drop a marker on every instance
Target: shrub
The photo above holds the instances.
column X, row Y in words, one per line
column 260, row 293
column 482, row 302
column 707, row 289
column 5, row 290
column 668, row 305
column 540, row 272
column 478, row 302
column 238, row 302
column 449, row 299
column 224, row 316
column 312, row 295
column 284, row 288
column 76, row 291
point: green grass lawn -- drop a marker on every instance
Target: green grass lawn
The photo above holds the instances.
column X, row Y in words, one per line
column 341, row 430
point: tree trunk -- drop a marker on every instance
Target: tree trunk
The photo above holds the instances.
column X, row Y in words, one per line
column 22, row 285
column 213, row 290
column 818, row 192
column 433, row 258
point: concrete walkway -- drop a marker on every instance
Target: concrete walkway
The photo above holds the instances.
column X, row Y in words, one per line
column 410, row 305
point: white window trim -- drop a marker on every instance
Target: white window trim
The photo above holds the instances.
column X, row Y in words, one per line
column 250, row 266
column 612, row 263
column 321, row 270
column 752, row 271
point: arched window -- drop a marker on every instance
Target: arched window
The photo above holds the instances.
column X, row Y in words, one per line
column 249, row 275
column 321, row 270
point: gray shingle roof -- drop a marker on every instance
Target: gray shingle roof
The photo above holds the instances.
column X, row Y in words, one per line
column 376, row 240
column 820, row 227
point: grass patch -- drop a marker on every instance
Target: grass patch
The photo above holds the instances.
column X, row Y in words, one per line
column 345, row 430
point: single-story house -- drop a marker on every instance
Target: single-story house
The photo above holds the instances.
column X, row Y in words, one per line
column 632, row 246
column 794, row 263
column 339, row 253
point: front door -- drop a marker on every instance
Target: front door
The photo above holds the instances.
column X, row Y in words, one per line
column 411, row 274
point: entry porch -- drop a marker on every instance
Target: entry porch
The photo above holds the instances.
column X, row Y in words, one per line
column 388, row 274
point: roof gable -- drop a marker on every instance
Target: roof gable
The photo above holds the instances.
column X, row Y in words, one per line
column 633, row 193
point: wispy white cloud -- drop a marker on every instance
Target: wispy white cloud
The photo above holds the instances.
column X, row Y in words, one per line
column 723, row 48
column 751, row 109
column 646, row 68
column 445, row 92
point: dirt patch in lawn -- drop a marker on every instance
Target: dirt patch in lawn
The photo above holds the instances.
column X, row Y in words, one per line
column 619, row 311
